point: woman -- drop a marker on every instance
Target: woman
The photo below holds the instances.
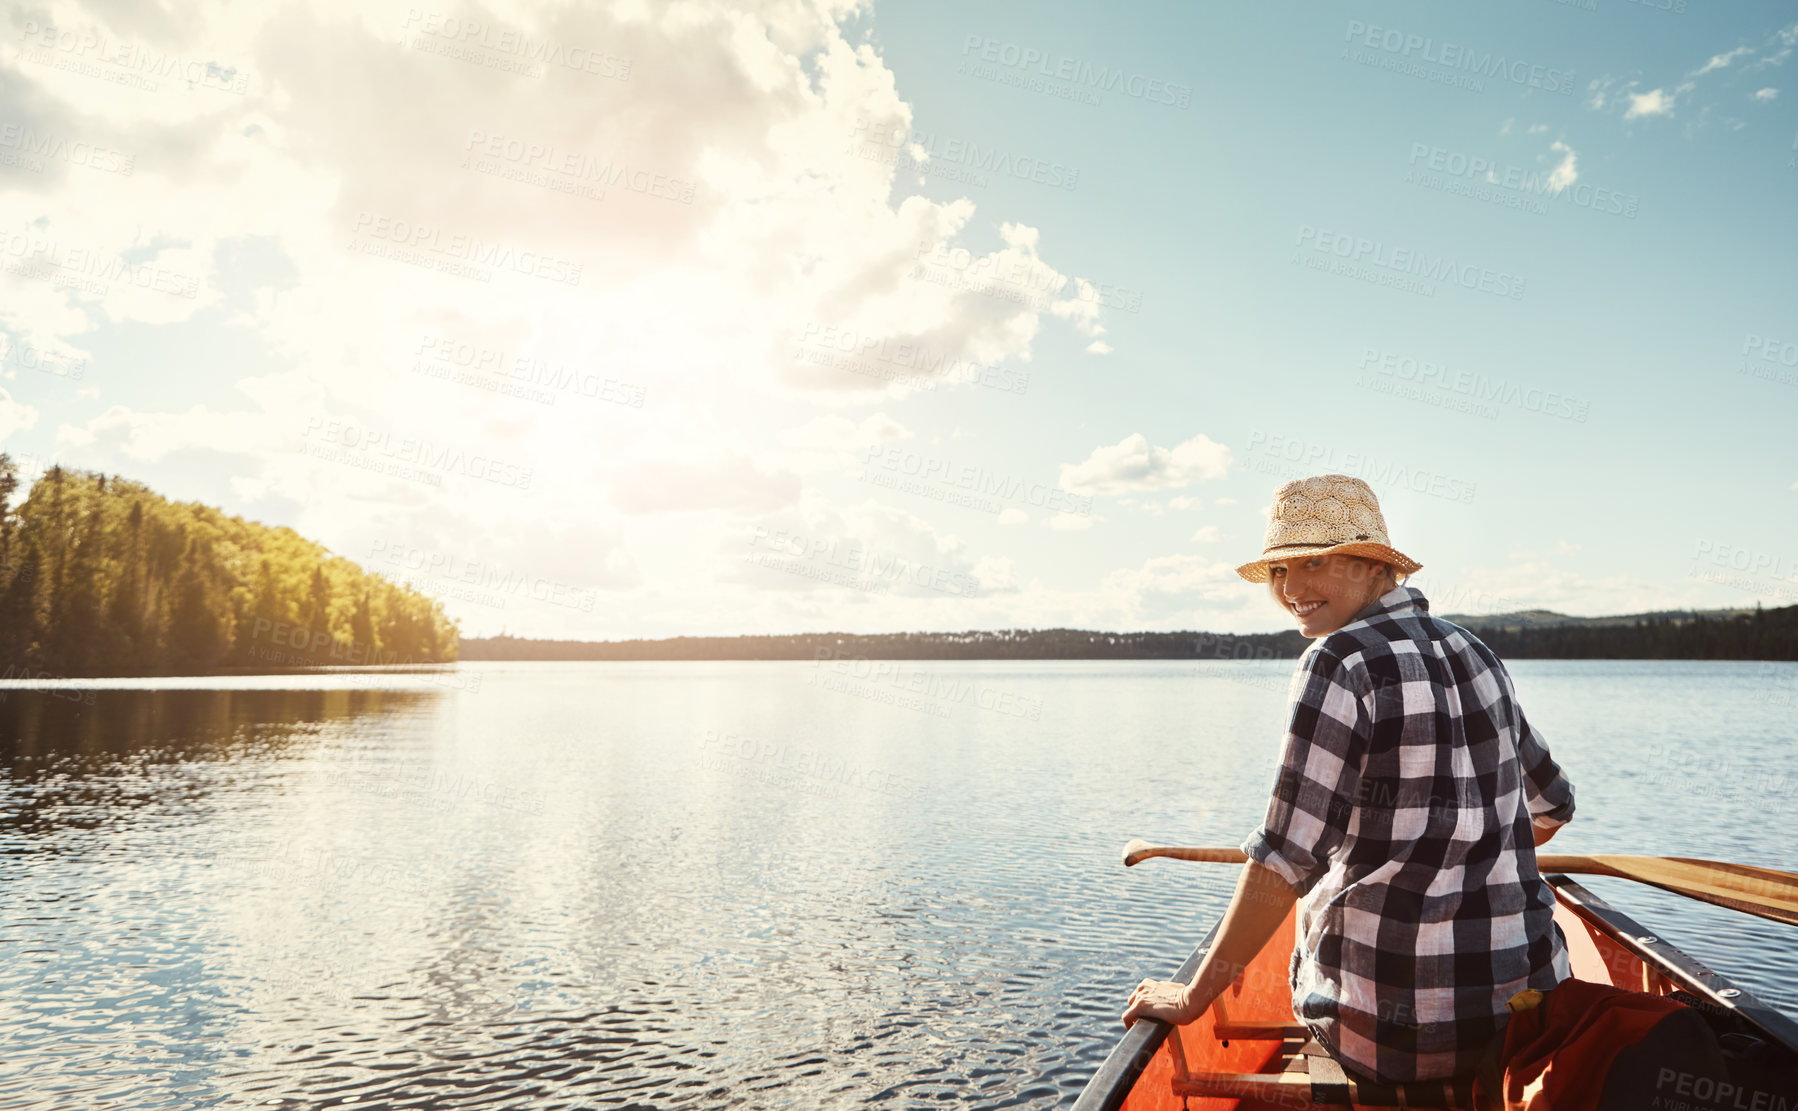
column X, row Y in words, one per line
column 1409, row 803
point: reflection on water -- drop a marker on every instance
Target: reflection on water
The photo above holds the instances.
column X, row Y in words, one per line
column 709, row 884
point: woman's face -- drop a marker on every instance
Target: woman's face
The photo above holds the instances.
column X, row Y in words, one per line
column 1324, row 592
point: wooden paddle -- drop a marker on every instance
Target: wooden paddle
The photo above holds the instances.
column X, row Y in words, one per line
column 1761, row 891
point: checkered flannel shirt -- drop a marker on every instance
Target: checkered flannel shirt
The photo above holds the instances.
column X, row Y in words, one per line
column 1403, row 810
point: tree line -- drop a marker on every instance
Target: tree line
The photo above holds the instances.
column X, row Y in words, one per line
column 1758, row 635
column 101, row 575
column 1000, row 644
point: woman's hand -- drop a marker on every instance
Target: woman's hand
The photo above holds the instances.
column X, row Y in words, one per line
column 1162, row 999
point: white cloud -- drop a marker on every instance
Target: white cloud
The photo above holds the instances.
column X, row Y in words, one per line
column 1721, row 61
column 721, row 482
column 1567, row 172
column 1011, row 515
column 1764, row 95
column 1538, row 128
column 1073, row 522
column 995, row 573
column 1165, row 584
column 869, row 551
column 703, row 298
column 1654, row 102
column 1133, row 464
column 832, row 443
column 1098, row 347
column 1207, row 535
column 15, row 416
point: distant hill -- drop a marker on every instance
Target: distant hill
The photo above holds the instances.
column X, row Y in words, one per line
column 1539, row 619
column 1528, row 634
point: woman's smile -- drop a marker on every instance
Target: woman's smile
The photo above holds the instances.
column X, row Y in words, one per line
column 1324, row 593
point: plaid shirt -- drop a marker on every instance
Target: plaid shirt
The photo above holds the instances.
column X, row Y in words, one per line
column 1403, row 809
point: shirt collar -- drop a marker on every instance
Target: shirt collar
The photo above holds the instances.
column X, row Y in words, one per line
column 1395, row 602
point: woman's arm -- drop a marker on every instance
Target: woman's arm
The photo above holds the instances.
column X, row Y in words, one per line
column 1260, row 904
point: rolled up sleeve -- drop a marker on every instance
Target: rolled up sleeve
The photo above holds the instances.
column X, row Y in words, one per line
column 1545, row 785
column 1319, row 779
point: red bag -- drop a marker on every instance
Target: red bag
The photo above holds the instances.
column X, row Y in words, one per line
column 1594, row 1047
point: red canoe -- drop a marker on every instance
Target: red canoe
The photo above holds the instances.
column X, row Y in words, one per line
column 1249, row 1053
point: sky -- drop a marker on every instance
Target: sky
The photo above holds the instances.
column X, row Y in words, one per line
column 651, row 319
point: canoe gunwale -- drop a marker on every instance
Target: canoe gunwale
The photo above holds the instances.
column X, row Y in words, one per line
column 1681, row 967
column 1111, row 1085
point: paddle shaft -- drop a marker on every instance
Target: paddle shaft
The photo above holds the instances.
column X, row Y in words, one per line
column 1759, row 891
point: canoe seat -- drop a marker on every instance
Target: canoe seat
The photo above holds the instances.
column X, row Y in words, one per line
column 1305, row 1073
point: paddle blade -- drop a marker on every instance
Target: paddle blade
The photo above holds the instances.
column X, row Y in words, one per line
column 1761, row 891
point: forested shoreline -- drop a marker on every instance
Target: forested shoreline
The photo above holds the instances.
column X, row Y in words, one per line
column 1753, row 635
column 100, row 575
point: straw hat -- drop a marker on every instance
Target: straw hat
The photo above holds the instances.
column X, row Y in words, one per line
column 1324, row 514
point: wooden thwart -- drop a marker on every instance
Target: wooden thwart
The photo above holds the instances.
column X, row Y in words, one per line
column 1309, row 1075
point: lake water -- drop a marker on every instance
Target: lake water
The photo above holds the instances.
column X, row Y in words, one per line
column 746, row 885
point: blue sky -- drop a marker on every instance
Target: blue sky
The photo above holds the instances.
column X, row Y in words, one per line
column 613, row 322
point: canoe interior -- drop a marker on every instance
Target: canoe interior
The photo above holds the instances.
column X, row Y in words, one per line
column 1604, row 945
